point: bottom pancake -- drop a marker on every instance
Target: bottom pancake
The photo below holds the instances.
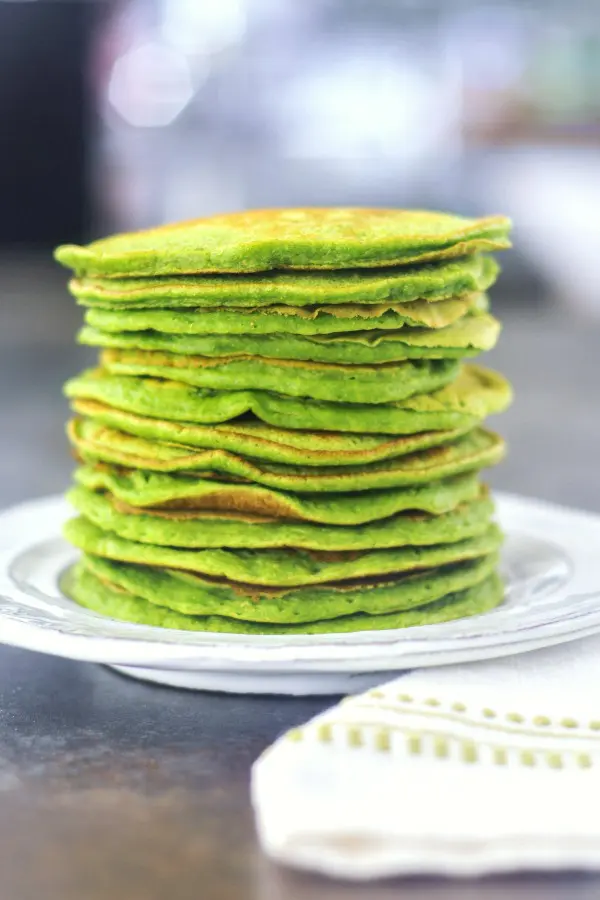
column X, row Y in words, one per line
column 103, row 597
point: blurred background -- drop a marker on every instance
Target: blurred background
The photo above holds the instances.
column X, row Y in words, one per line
column 121, row 115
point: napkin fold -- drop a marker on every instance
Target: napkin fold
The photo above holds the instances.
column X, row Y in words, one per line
column 462, row 770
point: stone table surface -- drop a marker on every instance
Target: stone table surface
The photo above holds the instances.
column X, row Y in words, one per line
column 114, row 789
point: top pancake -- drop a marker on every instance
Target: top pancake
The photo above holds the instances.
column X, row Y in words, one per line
column 261, row 240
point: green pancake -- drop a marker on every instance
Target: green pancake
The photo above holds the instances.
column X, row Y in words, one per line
column 251, row 293
column 86, row 589
column 468, row 337
column 476, row 393
column 260, row 240
column 279, row 568
column 207, row 529
column 251, row 437
column 195, row 596
column 302, row 320
column 149, row 489
column 292, row 378
column 478, row 449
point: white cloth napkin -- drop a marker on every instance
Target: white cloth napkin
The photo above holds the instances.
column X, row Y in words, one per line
column 459, row 770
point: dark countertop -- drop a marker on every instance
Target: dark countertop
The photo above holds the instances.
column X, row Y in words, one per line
column 114, row 789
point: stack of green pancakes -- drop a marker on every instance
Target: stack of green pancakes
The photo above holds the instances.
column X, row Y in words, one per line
column 284, row 433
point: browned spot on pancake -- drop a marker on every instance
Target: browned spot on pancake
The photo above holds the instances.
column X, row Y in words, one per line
column 198, row 514
column 263, row 507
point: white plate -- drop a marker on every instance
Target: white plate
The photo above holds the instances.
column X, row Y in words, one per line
column 550, row 563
